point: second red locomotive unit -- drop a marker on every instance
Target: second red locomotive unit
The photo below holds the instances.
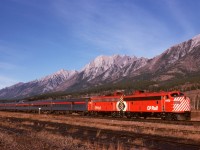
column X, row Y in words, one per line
column 165, row 105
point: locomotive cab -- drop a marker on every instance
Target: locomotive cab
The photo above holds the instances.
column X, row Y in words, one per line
column 178, row 105
column 118, row 93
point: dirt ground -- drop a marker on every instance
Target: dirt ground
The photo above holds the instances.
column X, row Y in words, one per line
column 22, row 131
column 195, row 116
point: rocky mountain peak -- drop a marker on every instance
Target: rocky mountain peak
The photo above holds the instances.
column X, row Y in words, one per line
column 107, row 64
column 197, row 37
column 195, row 41
column 107, row 61
column 59, row 74
column 178, row 51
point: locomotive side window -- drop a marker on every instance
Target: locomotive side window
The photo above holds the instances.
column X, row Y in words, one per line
column 143, row 98
column 181, row 94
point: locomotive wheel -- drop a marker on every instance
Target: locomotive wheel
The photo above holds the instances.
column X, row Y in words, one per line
column 96, row 114
column 181, row 117
column 121, row 114
column 163, row 117
column 83, row 113
column 128, row 115
column 188, row 118
column 174, row 117
column 137, row 115
column 113, row 114
column 168, row 117
column 171, row 117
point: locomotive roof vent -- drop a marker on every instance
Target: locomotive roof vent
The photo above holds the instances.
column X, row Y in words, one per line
column 118, row 93
column 138, row 92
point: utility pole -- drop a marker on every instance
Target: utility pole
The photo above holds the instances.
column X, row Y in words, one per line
column 39, row 110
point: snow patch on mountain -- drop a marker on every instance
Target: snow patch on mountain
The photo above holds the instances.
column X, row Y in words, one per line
column 52, row 81
column 195, row 42
column 63, row 74
column 111, row 65
column 180, row 50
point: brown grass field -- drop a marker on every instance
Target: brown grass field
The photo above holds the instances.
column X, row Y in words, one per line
column 22, row 131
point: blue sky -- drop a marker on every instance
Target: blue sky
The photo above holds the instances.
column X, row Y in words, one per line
column 40, row 37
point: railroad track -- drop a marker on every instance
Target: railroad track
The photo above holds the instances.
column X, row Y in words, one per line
column 151, row 120
column 7, row 130
column 188, row 123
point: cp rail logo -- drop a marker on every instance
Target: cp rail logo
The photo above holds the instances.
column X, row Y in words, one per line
column 121, row 104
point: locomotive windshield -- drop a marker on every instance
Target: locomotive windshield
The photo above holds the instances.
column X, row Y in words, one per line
column 174, row 94
column 177, row 94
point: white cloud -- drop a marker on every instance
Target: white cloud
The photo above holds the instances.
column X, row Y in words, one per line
column 114, row 27
column 180, row 14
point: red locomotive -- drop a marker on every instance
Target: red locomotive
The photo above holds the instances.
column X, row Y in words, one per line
column 166, row 105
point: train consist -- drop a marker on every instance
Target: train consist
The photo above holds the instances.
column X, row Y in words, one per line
column 165, row 105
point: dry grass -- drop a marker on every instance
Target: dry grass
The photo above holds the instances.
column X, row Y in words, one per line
column 39, row 140
column 44, row 139
column 48, row 140
column 7, row 141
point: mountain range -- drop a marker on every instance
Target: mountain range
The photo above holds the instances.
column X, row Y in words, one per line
column 179, row 61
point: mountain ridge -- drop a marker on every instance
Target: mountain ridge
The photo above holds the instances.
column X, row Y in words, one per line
column 180, row 59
